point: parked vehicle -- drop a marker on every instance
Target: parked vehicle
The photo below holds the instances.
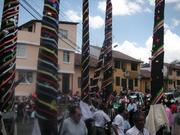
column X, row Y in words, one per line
column 170, row 96
column 139, row 96
column 177, row 95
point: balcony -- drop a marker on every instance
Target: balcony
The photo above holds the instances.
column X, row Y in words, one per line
column 131, row 74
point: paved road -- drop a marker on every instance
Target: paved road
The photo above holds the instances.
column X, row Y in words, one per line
column 24, row 128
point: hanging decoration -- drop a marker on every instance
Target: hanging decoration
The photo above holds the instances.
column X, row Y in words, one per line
column 107, row 83
column 85, row 53
column 157, row 60
column 47, row 69
column 8, row 42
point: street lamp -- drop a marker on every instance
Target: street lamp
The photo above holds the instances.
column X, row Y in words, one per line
column 115, row 46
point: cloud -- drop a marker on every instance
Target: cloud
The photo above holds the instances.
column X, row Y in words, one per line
column 95, row 22
column 134, row 50
column 171, row 48
column 73, row 16
column 178, row 6
column 140, row 1
column 175, row 23
column 123, row 7
column 172, row 1
column 148, row 10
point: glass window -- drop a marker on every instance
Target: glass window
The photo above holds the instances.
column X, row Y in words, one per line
column 136, row 82
column 26, row 76
column 170, row 72
column 170, row 82
column 117, row 64
column 30, row 28
column 178, row 72
column 63, row 33
column 66, row 56
column 178, row 82
column 21, row 50
column 133, row 66
column 79, row 82
column 117, row 81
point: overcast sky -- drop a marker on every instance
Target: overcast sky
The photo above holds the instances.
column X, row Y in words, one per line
column 132, row 24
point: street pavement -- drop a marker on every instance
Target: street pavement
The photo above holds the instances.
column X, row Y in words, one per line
column 24, row 128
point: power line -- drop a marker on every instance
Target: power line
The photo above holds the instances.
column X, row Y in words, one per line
column 41, row 17
column 27, row 10
column 80, row 27
column 64, row 16
column 29, row 5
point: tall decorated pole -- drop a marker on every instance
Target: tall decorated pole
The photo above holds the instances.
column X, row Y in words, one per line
column 47, row 69
column 107, row 86
column 85, row 52
column 157, row 52
column 8, row 41
column 97, row 75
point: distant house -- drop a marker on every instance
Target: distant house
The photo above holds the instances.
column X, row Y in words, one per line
column 171, row 73
column 27, row 55
column 125, row 70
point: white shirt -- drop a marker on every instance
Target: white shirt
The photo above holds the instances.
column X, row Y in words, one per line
column 131, row 107
column 101, row 118
column 70, row 127
column 119, row 122
column 135, row 131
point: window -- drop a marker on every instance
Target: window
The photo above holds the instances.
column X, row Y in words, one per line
column 178, row 72
column 134, row 66
column 117, row 81
column 117, row 64
column 170, row 72
column 136, row 83
column 79, row 82
column 30, row 28
column 21, row 50
column 26, row 76
column 66, row 56
column 123, row 66
column 178, row 82
column 63, row 33
column 65, row 83
column 170, row 82
column 91, row 81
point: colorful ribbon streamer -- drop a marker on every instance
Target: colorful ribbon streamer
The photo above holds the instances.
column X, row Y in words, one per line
column 157, row 53
column 8, row 41
column 94, row 91
column 85, row 52
column 107, row 86
column 47, row 70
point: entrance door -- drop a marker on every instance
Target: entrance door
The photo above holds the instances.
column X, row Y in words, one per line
column 124, row 84
column 65, row 83
column 130, row 84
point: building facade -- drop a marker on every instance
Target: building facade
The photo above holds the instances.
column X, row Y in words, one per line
column 125, row 70
column 27, row 56
column 171, row 73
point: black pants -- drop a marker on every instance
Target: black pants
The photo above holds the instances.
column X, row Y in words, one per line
column 89, row 126
column 99, row 131
column 48, row 127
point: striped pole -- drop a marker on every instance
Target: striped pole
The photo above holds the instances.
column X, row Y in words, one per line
column 8, row 41
column 157, row 52
column 97, row 74
column 107, row 86
column 85, row 52
column 47, row 69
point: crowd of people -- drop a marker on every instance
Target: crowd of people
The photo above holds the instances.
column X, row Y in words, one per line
column 123, row 115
